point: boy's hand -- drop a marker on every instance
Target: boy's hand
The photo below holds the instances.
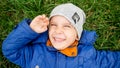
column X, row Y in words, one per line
column 39, row 24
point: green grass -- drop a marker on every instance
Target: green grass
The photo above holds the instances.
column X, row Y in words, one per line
column 103, row 16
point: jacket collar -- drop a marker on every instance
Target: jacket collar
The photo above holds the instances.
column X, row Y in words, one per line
column 71, row 51
column 87, row 38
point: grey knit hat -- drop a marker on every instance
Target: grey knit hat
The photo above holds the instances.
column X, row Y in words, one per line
column 73, row 14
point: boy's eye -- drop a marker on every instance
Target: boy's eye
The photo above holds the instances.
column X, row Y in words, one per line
column 53, row 25
column 67, row 26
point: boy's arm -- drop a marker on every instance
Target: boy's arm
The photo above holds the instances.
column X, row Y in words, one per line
column 102, row 58
column 108, row 59
column 16, row 47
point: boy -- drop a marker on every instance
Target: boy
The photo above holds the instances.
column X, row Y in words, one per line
column 64, row 45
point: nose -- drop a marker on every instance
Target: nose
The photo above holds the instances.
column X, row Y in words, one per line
column 59, row 30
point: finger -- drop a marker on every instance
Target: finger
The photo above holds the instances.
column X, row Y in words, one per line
column 38, row 18
column 43, row 16
column 47, row 20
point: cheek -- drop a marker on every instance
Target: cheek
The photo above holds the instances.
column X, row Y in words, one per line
column 71, row 34
column 50, row 33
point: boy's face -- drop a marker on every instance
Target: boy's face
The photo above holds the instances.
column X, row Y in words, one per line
column 61, row 33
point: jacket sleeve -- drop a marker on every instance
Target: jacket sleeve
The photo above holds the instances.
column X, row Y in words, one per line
column 98, row 58
column 108, row 59
column 16, row 47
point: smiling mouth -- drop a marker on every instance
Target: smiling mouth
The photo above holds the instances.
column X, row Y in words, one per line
column 56, row 39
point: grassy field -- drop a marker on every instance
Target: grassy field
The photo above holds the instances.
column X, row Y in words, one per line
column 103, row 16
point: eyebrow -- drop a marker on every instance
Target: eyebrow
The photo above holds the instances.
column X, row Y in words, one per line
column 51, row 22
column 63, row 24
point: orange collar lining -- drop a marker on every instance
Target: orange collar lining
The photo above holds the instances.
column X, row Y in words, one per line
column 71, row 51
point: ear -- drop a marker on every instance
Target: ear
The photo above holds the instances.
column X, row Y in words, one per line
column 77, row 38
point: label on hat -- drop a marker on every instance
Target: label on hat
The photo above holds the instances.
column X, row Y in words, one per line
column 76, row 17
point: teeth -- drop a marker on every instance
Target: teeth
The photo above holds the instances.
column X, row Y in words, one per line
column 59, row 39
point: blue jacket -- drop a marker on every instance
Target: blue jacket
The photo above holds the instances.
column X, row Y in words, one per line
column 28, row 49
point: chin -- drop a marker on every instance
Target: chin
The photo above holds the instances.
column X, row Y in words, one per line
column 59, row 48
